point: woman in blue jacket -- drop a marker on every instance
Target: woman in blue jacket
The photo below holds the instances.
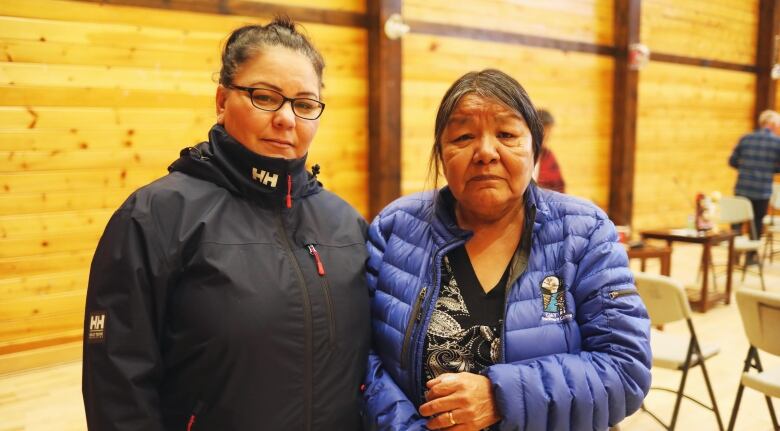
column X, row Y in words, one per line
column 496, row 304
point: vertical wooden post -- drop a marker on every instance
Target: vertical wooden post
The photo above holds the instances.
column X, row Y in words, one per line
column 624, row 114
column 769, row 13
column 384, row 118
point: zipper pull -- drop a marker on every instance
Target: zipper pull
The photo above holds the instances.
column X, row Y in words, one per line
column 420, row 299
column 313, row 251
column 289, row 191
column 195, row 411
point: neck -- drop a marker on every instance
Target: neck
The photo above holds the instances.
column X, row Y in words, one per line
column 506, row 225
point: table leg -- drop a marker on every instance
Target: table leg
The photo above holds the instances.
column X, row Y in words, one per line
column 729, row 270
column 705, row 262
column 666, row 264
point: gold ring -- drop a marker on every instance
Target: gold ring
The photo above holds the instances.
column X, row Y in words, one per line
column 449, row 416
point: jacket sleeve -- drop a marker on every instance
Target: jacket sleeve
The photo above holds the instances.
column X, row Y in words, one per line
column 609, row 378
column 734, row 158
column 387, row 407
column 122, row 368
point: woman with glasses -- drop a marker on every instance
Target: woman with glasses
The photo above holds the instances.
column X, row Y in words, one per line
column 230, row 294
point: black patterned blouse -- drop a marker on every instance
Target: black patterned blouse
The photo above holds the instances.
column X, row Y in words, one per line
column 464, row 333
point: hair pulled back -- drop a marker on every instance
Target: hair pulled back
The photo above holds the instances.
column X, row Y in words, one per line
column 490, row 84
column 248, row 41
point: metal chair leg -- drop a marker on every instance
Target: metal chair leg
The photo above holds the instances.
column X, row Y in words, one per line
column 709, row 389
column 772, row 413
column 680, row 390
column 735, row 409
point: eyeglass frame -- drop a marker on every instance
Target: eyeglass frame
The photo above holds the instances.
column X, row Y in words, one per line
column 285, row 99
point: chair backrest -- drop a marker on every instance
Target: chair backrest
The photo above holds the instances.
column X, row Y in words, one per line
column 664, row 298
column 760, row 312
column 774, row 201
column 736, row 209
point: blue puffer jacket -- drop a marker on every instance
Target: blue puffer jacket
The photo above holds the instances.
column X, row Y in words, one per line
column 584, row 367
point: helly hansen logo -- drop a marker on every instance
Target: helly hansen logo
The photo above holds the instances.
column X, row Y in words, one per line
column 264, row 177
column 97, row 327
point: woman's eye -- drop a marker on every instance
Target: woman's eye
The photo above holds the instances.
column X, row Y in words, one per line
column 462, row 138
column 505, row 135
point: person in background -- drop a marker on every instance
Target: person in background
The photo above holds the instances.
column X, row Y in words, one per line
column 230, row 294
column 547, row 172
column 757, row 159
column 495, row 303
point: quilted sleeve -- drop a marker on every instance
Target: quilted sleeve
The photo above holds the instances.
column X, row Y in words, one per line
column 387, row 407
column 609, row 378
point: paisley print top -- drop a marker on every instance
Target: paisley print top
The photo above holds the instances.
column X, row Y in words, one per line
column 464, row 333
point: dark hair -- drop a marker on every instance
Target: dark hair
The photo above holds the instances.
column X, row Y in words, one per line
column 246, row 42
column 545, row 117
column 492, row 84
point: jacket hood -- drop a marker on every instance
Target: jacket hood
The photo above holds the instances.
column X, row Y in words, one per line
column 227, row 163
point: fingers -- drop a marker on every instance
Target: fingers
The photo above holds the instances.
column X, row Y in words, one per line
column 446, row 420
column 440, row 405
column 443, row 378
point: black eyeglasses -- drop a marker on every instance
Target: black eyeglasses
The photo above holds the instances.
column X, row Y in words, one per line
column 272, row 100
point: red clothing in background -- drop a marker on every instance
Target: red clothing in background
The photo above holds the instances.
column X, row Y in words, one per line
column 549, row 172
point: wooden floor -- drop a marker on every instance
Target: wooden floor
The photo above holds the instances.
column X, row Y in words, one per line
column 50, row 398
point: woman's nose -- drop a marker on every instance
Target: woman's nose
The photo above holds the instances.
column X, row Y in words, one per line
column 284, row 116
column 486, row 151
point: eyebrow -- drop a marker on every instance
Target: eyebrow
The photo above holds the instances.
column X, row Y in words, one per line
column 458, row 119
column 274, row 87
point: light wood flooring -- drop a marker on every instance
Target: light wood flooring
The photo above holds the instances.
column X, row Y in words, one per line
column 50, row 398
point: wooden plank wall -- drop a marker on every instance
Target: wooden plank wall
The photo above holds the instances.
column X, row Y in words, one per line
column 690, row 117
column 576, row 87
column 96, row 101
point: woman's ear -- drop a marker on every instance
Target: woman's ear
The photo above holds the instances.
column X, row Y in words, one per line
column 221, row 100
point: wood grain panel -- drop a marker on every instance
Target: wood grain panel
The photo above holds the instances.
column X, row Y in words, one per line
column 26, row 268
column 689, row 121
column 344, row 5
column 580, row 20
column 51, row 326
column 580, row 101
column 40, row 357
column 40, row 305
column 723, row 30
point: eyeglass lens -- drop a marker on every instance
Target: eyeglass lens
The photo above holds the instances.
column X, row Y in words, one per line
column 270, row 100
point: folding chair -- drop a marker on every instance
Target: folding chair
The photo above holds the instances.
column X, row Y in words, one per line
column 739, row 210
column 772, row 224
column 760, row 312
column 667, row 302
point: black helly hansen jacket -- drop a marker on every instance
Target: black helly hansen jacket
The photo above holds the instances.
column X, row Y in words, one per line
column 228, row 295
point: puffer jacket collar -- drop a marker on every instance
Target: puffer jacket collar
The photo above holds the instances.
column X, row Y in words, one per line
column 445, row 226
column 222, row 160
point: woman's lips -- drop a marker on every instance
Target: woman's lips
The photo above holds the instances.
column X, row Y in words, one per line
column 280, row 142
column 485, row 178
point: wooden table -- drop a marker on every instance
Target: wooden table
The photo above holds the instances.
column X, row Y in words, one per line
column 704, row 299
column 663, row 254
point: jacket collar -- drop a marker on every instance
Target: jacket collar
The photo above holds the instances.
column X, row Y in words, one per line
column 226, row 162
column 446, row 226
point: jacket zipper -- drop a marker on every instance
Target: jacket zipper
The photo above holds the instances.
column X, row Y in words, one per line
column 414, row 318
column 307, row 367
column 289, row 191
column 326, row 291
column 195, row 411
column 418, row 336
column 623, row 292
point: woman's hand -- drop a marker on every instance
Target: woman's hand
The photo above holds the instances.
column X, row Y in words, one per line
column 462, row 401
